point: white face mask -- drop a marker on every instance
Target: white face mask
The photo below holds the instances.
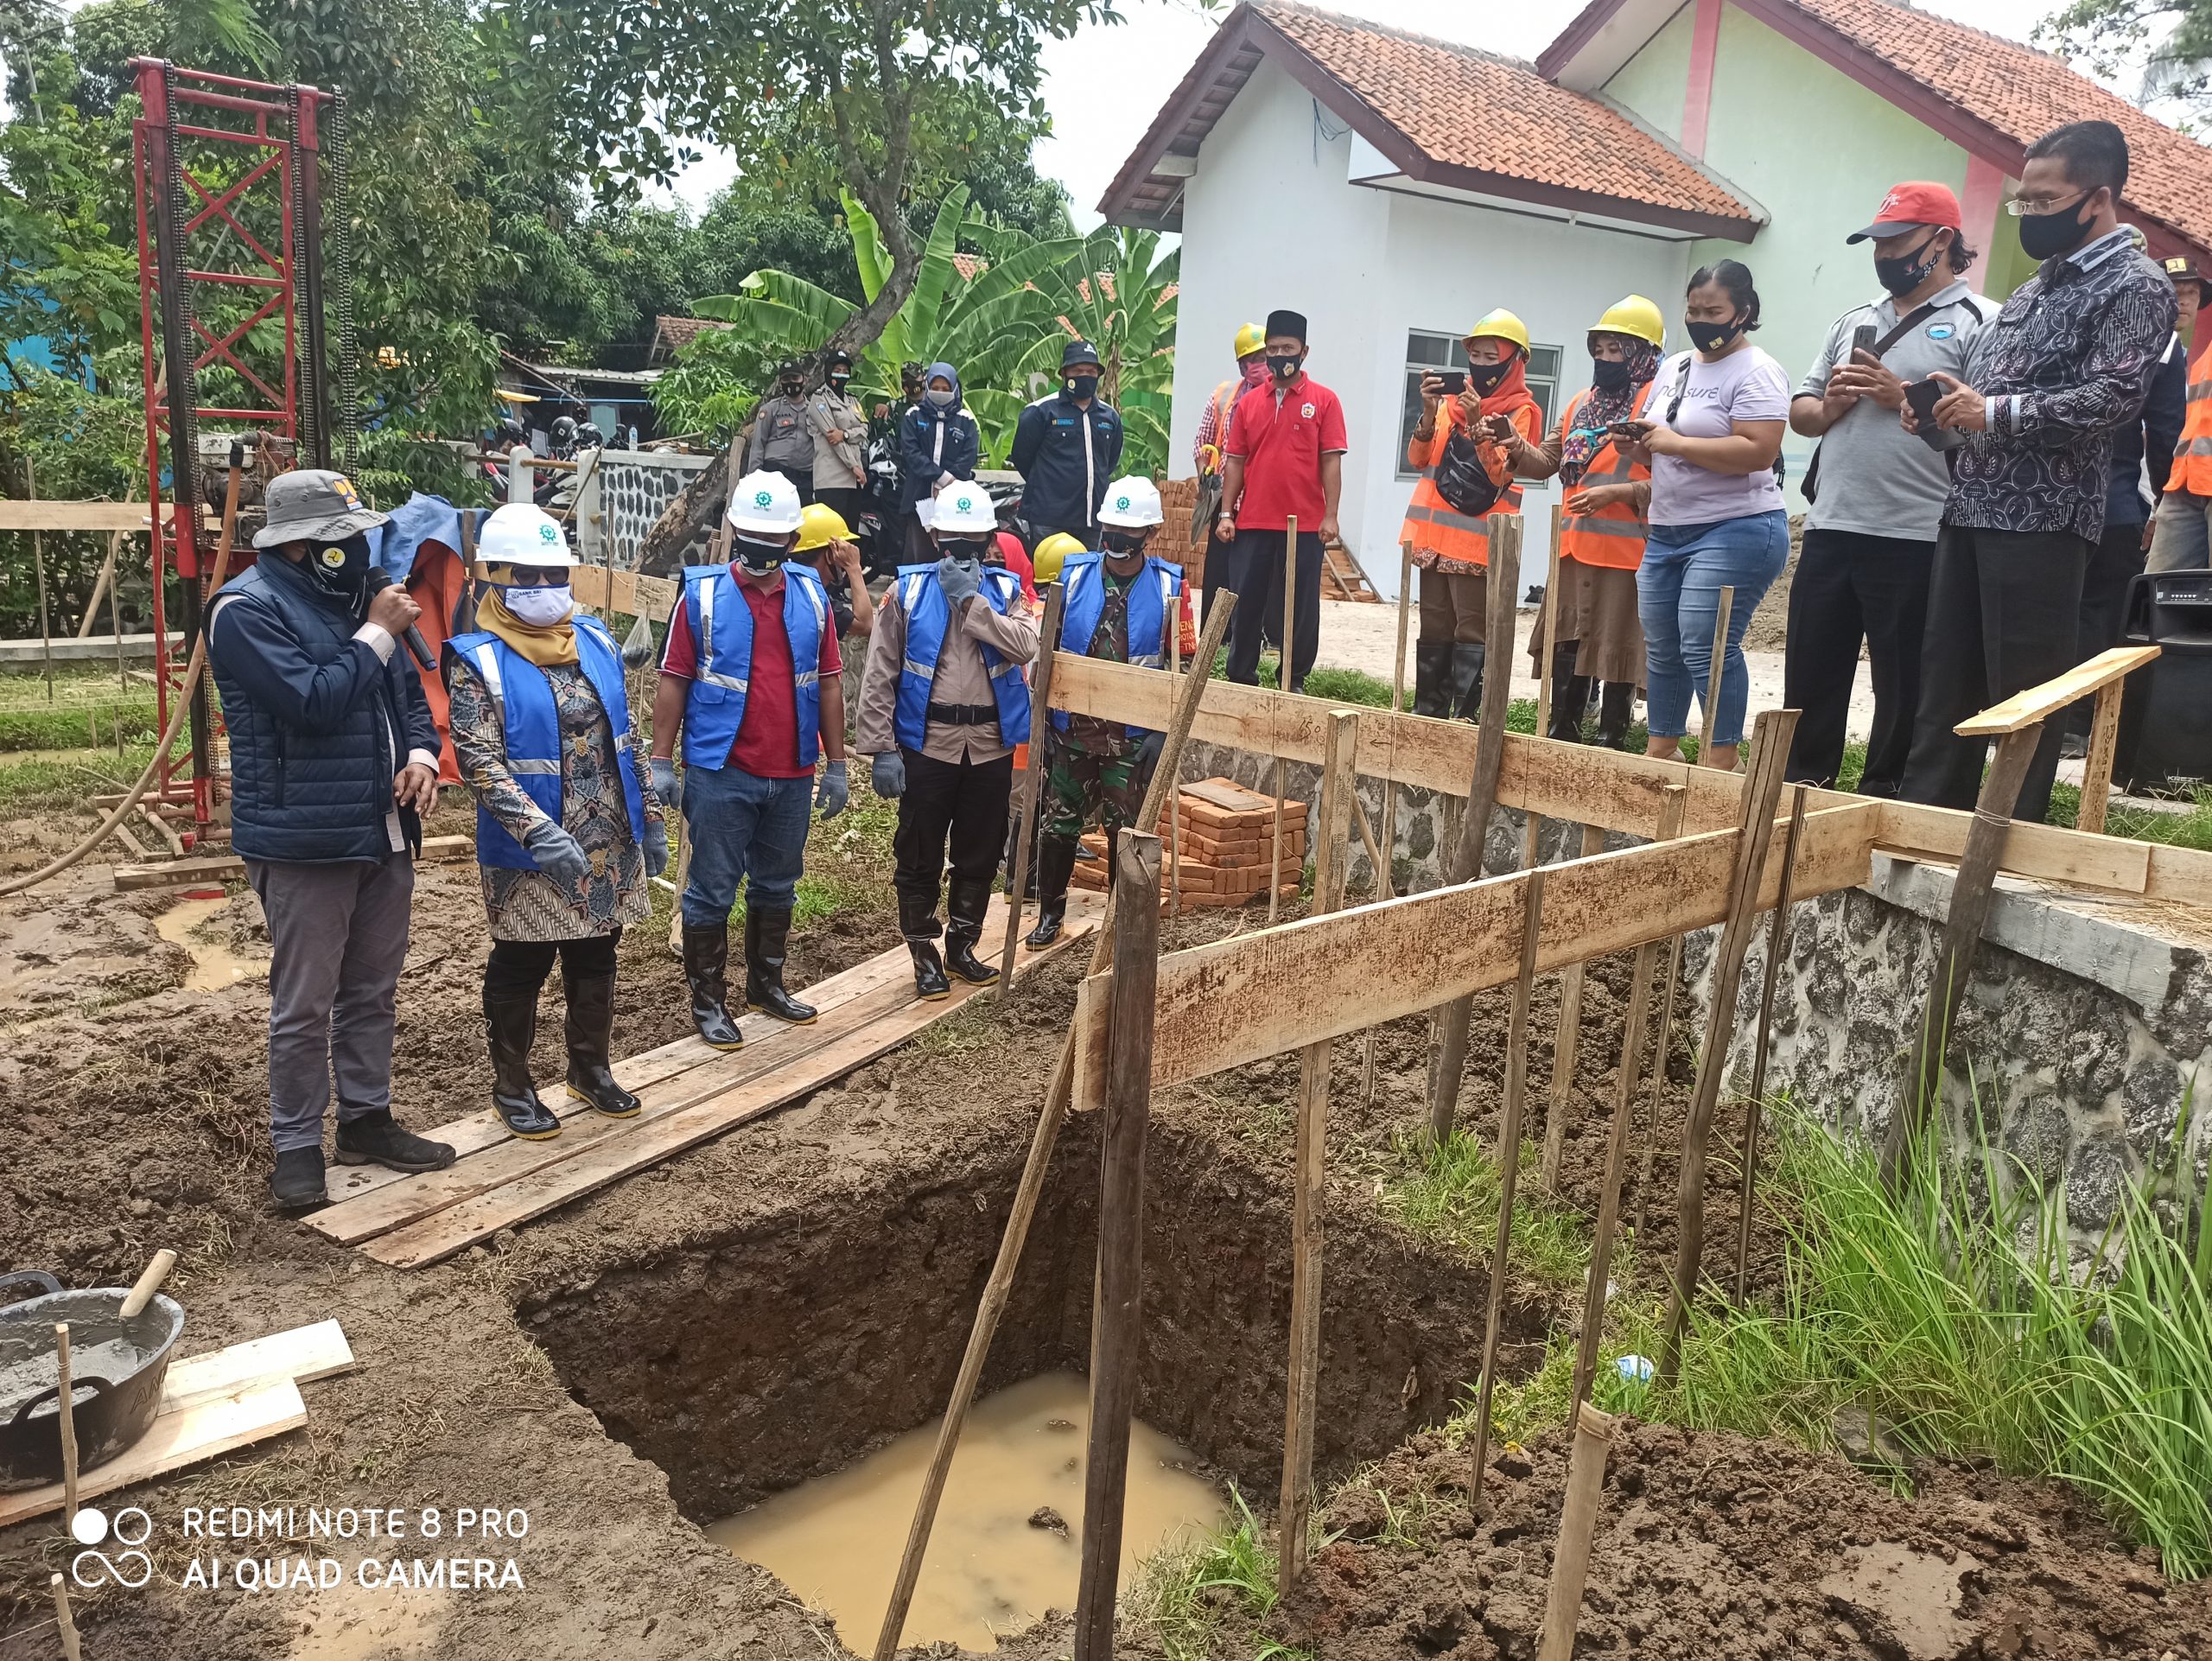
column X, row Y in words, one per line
column 541, row 607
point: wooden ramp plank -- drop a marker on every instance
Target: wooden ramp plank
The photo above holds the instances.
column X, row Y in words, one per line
column 637, row 1143
column 2041, row 702
column 302, row 1354
column 205, row 1429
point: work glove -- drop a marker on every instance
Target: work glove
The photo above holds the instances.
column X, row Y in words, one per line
column 835, row 790
column 656, row 848
column 559, row 855
column 888, row 774
column 962, row 580
column 1147, row 755
column 664, row 772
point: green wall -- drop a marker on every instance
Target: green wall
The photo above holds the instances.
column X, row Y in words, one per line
column 1652, row 83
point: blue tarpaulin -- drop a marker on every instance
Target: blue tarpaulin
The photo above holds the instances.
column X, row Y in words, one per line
column 419, row 520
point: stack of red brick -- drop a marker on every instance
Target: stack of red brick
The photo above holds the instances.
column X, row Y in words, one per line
column 1224, row 835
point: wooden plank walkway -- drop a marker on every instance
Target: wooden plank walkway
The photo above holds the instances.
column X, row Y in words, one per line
column 691, row 1094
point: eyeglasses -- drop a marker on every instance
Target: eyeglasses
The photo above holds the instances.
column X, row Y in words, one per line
column 2022, row 206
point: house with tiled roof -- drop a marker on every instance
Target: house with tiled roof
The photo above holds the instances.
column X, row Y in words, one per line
column 1394, row 187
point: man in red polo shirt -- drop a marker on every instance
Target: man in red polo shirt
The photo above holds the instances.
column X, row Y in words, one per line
column 1285, row 459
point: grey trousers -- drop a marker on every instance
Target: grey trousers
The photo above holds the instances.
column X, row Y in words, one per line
column 338, row 934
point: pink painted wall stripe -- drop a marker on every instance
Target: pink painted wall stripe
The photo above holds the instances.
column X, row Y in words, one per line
column 1697, row 96
column 1985, row 190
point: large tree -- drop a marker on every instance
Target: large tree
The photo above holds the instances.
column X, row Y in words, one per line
column 2165, row 44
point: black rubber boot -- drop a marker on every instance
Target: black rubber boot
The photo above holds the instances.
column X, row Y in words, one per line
column 918, row 923
column 591, row 1040
column 510, row 1028
column 296, row 1183
column 376, row 1139
column 766, row 933
column 1615, row 706
column 1056, row 863
column 1570, row 694
column 706, row 968
column 1465, row 685
column 965, row 905
column 1431, row 679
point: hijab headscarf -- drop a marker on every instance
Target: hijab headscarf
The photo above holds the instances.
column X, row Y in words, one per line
column 1601, row 409
column 556, row 643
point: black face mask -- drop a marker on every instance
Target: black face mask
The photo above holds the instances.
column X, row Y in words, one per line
column 1609, row 374
column 838, row 381
column 1711, row 337
column 756, row 558
column 1123, row 544
column 339, row 568
column 963, row 547
column 1081, row 387
column 1901, row 273
column 1487, row 377
column 792, row 388
column 1283, row 365
column 2046, row 236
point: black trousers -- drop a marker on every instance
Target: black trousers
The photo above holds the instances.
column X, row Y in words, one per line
column 1253, row 565
column 802, row 478
column 519, row 968
column 955, row 807
column 1040, row 529
column 846, row 501
column 1851, row 587
column 2003, row 615
column 2115, row 561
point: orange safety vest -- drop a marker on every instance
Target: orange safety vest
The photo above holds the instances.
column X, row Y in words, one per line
column 2192, row 469
column 1441, row 536
column 1224, row 405
column 1612, row 536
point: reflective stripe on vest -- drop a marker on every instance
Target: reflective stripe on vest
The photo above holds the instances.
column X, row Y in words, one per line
column 1433, row 526
column 928, row 617
column 1152, row 612
column 721, row 642
column 1612, row 537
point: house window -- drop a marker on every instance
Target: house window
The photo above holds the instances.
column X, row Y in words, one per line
column 1427, row 351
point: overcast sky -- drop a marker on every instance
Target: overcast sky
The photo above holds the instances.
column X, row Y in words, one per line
column 1104, row 85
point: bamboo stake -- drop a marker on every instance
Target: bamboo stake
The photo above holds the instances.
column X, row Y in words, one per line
column 1117, row 1318
column 1577, row 1522
column 115, row 616
column 1385, row 875
column 1597, row 1288
column 1771, row 742
column 66, row 1405
column 1282, row 680
column 99, row 587
column 71, row 1649
column 1565, row 1043
column 1331, row 862
column 1000, row 1286
column 1508, row 1170
column 38, row 562
column 1778, row 938
column 1025, row 822
column 1668, row 988
column 1533, row 822
column 1713, row 675
column 1482, row 795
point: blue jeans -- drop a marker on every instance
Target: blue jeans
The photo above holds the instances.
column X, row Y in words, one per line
column 1678, row 596
column 742, row 826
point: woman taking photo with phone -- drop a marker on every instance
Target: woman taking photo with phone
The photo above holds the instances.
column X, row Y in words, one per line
column 1602, row 542
column 1712, row 433
column 1466, row 479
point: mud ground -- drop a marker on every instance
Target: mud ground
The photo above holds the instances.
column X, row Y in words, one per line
column 778, row 1301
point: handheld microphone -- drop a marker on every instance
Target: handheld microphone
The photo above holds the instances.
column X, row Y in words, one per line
column 379, row 579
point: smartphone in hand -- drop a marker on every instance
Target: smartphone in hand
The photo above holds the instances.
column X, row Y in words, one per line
column 1455, row 381
column 1633, row 431
column 1862, row 339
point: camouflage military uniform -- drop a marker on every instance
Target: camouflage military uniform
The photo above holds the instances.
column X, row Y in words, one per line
column 1095, row 766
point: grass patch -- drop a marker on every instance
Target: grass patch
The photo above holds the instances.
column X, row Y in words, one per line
column 1189, row 1595
column 67, row 780
column 1450, row 1195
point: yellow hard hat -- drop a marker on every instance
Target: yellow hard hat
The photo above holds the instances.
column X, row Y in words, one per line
column 1249, row 338
column 1502, row 324
column 819, row 524
column 1053, row 553
column 1635, row 316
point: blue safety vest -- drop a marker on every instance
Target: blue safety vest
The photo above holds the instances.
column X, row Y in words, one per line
column 720, row 620
column 927, row 614
column 532, row 726
column 1151, row 602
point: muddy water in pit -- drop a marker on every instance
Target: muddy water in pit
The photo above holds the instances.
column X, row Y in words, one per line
column 835, row 1541
column 214, row 965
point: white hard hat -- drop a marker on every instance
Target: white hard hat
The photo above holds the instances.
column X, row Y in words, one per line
column 521, row 534
column 1132, row 503
column 964, row 509
column 765, row 503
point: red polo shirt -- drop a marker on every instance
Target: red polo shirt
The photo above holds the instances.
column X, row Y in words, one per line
column 766, row 745
column 1282, row 440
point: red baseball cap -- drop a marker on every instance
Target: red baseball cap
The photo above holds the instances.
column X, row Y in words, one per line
column 1913, row 206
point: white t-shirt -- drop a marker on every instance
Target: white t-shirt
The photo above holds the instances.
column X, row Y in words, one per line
column 1745, row 385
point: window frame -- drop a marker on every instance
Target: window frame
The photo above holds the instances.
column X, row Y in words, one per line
column 1543, row 384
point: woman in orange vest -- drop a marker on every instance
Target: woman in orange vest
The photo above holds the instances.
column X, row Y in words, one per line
column 1599, row 636
column 1466, row 480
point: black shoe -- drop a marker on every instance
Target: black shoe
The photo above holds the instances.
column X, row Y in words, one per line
column 1615, row 706
column 1057, row 860
column 929, row 971
column 510, row 1028
column 1463, row 685
column 766, row 933
column 376, row 1139
column 706, row 966
column 1570, row 694
column 591, row 1042
column 1432, row 675
column 296, row 1183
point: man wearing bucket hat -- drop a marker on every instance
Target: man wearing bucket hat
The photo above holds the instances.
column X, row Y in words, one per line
column 942, row 706
column 334, row 763
column 1119, row 604
column 750, row 674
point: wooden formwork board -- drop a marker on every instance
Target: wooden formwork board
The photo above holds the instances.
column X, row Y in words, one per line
column 1590, row 785
column 1226, row 1004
